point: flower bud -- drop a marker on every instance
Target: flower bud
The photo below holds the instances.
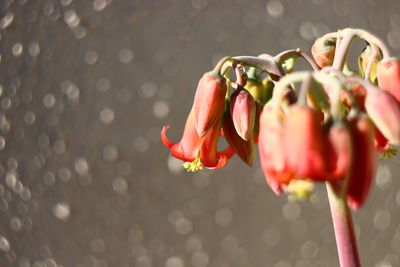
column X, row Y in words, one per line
column 243, row 111
column 384, row 111
column 364, row 162
column 389, row 76
column 209, row 102
column 304, row 143
column 255, row 87
column 244, row 149
column 323, row 51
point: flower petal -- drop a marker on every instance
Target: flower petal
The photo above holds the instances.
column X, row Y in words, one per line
column 164, row 138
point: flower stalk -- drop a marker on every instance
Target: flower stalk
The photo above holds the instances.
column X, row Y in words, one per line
column 343, row 228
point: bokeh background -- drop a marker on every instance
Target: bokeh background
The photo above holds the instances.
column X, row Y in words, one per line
column 85, row 87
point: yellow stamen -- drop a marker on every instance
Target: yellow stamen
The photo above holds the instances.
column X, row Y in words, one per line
column 300, row 190
column 194, row 166
column 389, row 153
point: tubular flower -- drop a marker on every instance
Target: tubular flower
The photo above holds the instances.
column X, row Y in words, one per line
column 304, row 143
column 243, row 111
column 384, row 111
column 209, row 102
column 197, row 151
column 364, row 162
column 209, row 156
column 323, row 51
column 272, row 153
column 244, row 149
column 188, row 148
column 389, row 76
column 339, row 156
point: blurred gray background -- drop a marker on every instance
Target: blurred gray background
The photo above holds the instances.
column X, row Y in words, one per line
column 86, row 86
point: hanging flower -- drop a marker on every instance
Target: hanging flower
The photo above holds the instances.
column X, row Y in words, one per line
column 389, row 76
column 209, row 101
column 197, row 151
column 384, row 111
column 271, row 148
column 364, row 161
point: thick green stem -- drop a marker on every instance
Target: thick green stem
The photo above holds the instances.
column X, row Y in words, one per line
column 343, row 227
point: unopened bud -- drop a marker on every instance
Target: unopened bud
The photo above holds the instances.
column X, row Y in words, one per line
column 243, row 111
column 323, row 51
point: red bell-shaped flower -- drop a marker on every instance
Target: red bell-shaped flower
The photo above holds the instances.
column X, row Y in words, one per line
column 364, row 161
column 194, row 149
column 304, row 143
column 389, row 76
column 340, row 150
column 271, row 148
column 209, row 101
column 188, row 148
column 384, row 111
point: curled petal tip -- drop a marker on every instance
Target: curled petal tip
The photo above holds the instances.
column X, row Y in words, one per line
column 165, row 139
column 222, row 161
column 227, row 152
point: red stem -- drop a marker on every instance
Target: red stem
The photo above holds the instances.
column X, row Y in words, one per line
column 343, row 226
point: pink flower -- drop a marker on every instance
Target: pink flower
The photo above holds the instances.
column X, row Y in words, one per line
column 209, row 102
column 384, row 111
column 364, row 162
column 389, row 76
column 192, row 148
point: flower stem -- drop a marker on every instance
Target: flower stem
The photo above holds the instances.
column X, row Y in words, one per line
column 343, row 226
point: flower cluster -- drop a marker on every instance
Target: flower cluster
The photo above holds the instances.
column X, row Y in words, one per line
column 327, row 124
